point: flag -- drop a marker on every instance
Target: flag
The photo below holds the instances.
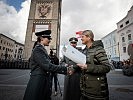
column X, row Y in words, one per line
column 78, row 34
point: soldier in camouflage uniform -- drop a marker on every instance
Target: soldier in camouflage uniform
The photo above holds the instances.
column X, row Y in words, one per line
column 93, row 82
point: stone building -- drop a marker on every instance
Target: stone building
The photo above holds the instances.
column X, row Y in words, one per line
column 18, row 51
column 111, row 45
column 43, row 15
column 125, row 32
column 119, row 43
column 8, row 48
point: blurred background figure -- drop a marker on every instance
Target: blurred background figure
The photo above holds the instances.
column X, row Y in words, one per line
column 54, row 60
column 71, row 82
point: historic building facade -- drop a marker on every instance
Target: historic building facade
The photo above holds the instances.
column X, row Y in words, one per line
column 10, row 49
column 111, row 45
column 125, row 32
column 18, row 51
column 119, row 43
column 43, row 15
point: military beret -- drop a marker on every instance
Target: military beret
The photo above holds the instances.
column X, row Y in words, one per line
column 73, row 39
column 45, row 33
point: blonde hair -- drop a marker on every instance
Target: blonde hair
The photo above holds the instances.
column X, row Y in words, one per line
column 88, row 33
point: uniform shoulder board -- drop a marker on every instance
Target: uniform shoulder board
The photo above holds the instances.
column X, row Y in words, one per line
column 37, row 45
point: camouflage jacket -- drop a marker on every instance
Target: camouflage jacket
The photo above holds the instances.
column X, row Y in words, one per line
column 93, row 80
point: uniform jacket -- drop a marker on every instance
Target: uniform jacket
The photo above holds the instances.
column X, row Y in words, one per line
column 40, row 60
column 39, row 87
column 71, row 83
column 93, row 79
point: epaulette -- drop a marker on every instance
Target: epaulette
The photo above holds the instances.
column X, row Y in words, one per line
column 37, row 45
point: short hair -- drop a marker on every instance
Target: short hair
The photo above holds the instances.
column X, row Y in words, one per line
column 88, row 33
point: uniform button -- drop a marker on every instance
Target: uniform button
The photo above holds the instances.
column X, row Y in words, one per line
column 98, row 78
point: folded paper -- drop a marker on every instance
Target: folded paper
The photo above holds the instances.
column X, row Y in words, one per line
column 73, row 54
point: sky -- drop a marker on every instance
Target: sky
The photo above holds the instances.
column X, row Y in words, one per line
column 15, row 3
column 100, row 16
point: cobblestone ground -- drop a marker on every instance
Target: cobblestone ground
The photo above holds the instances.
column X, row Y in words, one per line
column 16, row 93
column 13, row 83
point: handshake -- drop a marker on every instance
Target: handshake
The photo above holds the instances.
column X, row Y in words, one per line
column 71, row 69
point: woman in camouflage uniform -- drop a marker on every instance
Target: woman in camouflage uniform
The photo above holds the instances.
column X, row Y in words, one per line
column 93, row 82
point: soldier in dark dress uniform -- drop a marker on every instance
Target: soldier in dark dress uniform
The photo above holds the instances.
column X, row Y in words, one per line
column 71, row 83
column 39, row 87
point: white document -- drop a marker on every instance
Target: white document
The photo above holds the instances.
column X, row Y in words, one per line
column 73, row 54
